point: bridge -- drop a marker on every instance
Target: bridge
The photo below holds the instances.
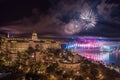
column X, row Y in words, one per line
column 92, row 44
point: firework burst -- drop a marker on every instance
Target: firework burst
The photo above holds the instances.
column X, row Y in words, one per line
column 88, row 18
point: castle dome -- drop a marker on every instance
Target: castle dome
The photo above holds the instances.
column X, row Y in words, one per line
column 34, row 36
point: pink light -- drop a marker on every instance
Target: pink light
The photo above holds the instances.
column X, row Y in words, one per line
column 32, row 56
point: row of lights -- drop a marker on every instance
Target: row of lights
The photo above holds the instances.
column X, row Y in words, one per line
column 83, row 45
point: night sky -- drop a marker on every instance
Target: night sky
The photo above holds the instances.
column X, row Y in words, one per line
column 49, row 17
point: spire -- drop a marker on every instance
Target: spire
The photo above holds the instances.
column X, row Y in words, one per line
column 8, row 35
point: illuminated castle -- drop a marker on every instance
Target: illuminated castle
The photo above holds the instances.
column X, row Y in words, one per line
column 21, row 44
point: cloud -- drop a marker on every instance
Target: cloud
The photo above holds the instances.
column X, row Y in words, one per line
column 39, row 24
column 45, row 23
column 106, row 10
column 60, row 14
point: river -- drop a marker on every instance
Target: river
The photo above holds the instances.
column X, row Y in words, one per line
column 102, row 49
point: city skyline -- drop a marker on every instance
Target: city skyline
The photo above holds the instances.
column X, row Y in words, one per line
column 59, row 39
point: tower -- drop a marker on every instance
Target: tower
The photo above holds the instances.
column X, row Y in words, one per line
column 8, row 35
column 34, row 36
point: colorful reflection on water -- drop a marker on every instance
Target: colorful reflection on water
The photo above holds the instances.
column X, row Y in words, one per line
column 105, row 57
column 102, row 49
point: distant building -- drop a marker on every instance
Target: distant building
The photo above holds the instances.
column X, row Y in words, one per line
column 1, row 40
column 21, row 44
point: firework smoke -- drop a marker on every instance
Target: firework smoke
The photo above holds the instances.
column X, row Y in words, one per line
column 86, row 20
column 72, row 28
column 65, row 17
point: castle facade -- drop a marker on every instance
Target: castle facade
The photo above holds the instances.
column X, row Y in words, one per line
column 21, row 44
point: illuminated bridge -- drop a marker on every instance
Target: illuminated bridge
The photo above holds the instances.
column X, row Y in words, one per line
column 87, row 43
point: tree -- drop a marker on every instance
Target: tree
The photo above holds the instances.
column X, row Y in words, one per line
column 52, row 68
column 79, row 78
column 30, row 50
column 37, row 48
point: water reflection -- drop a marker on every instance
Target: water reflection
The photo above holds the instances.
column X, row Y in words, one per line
column 105, row 57
column 115, row 58
column 102, row 49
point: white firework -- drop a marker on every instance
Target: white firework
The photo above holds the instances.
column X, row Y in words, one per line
column 88, row 18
